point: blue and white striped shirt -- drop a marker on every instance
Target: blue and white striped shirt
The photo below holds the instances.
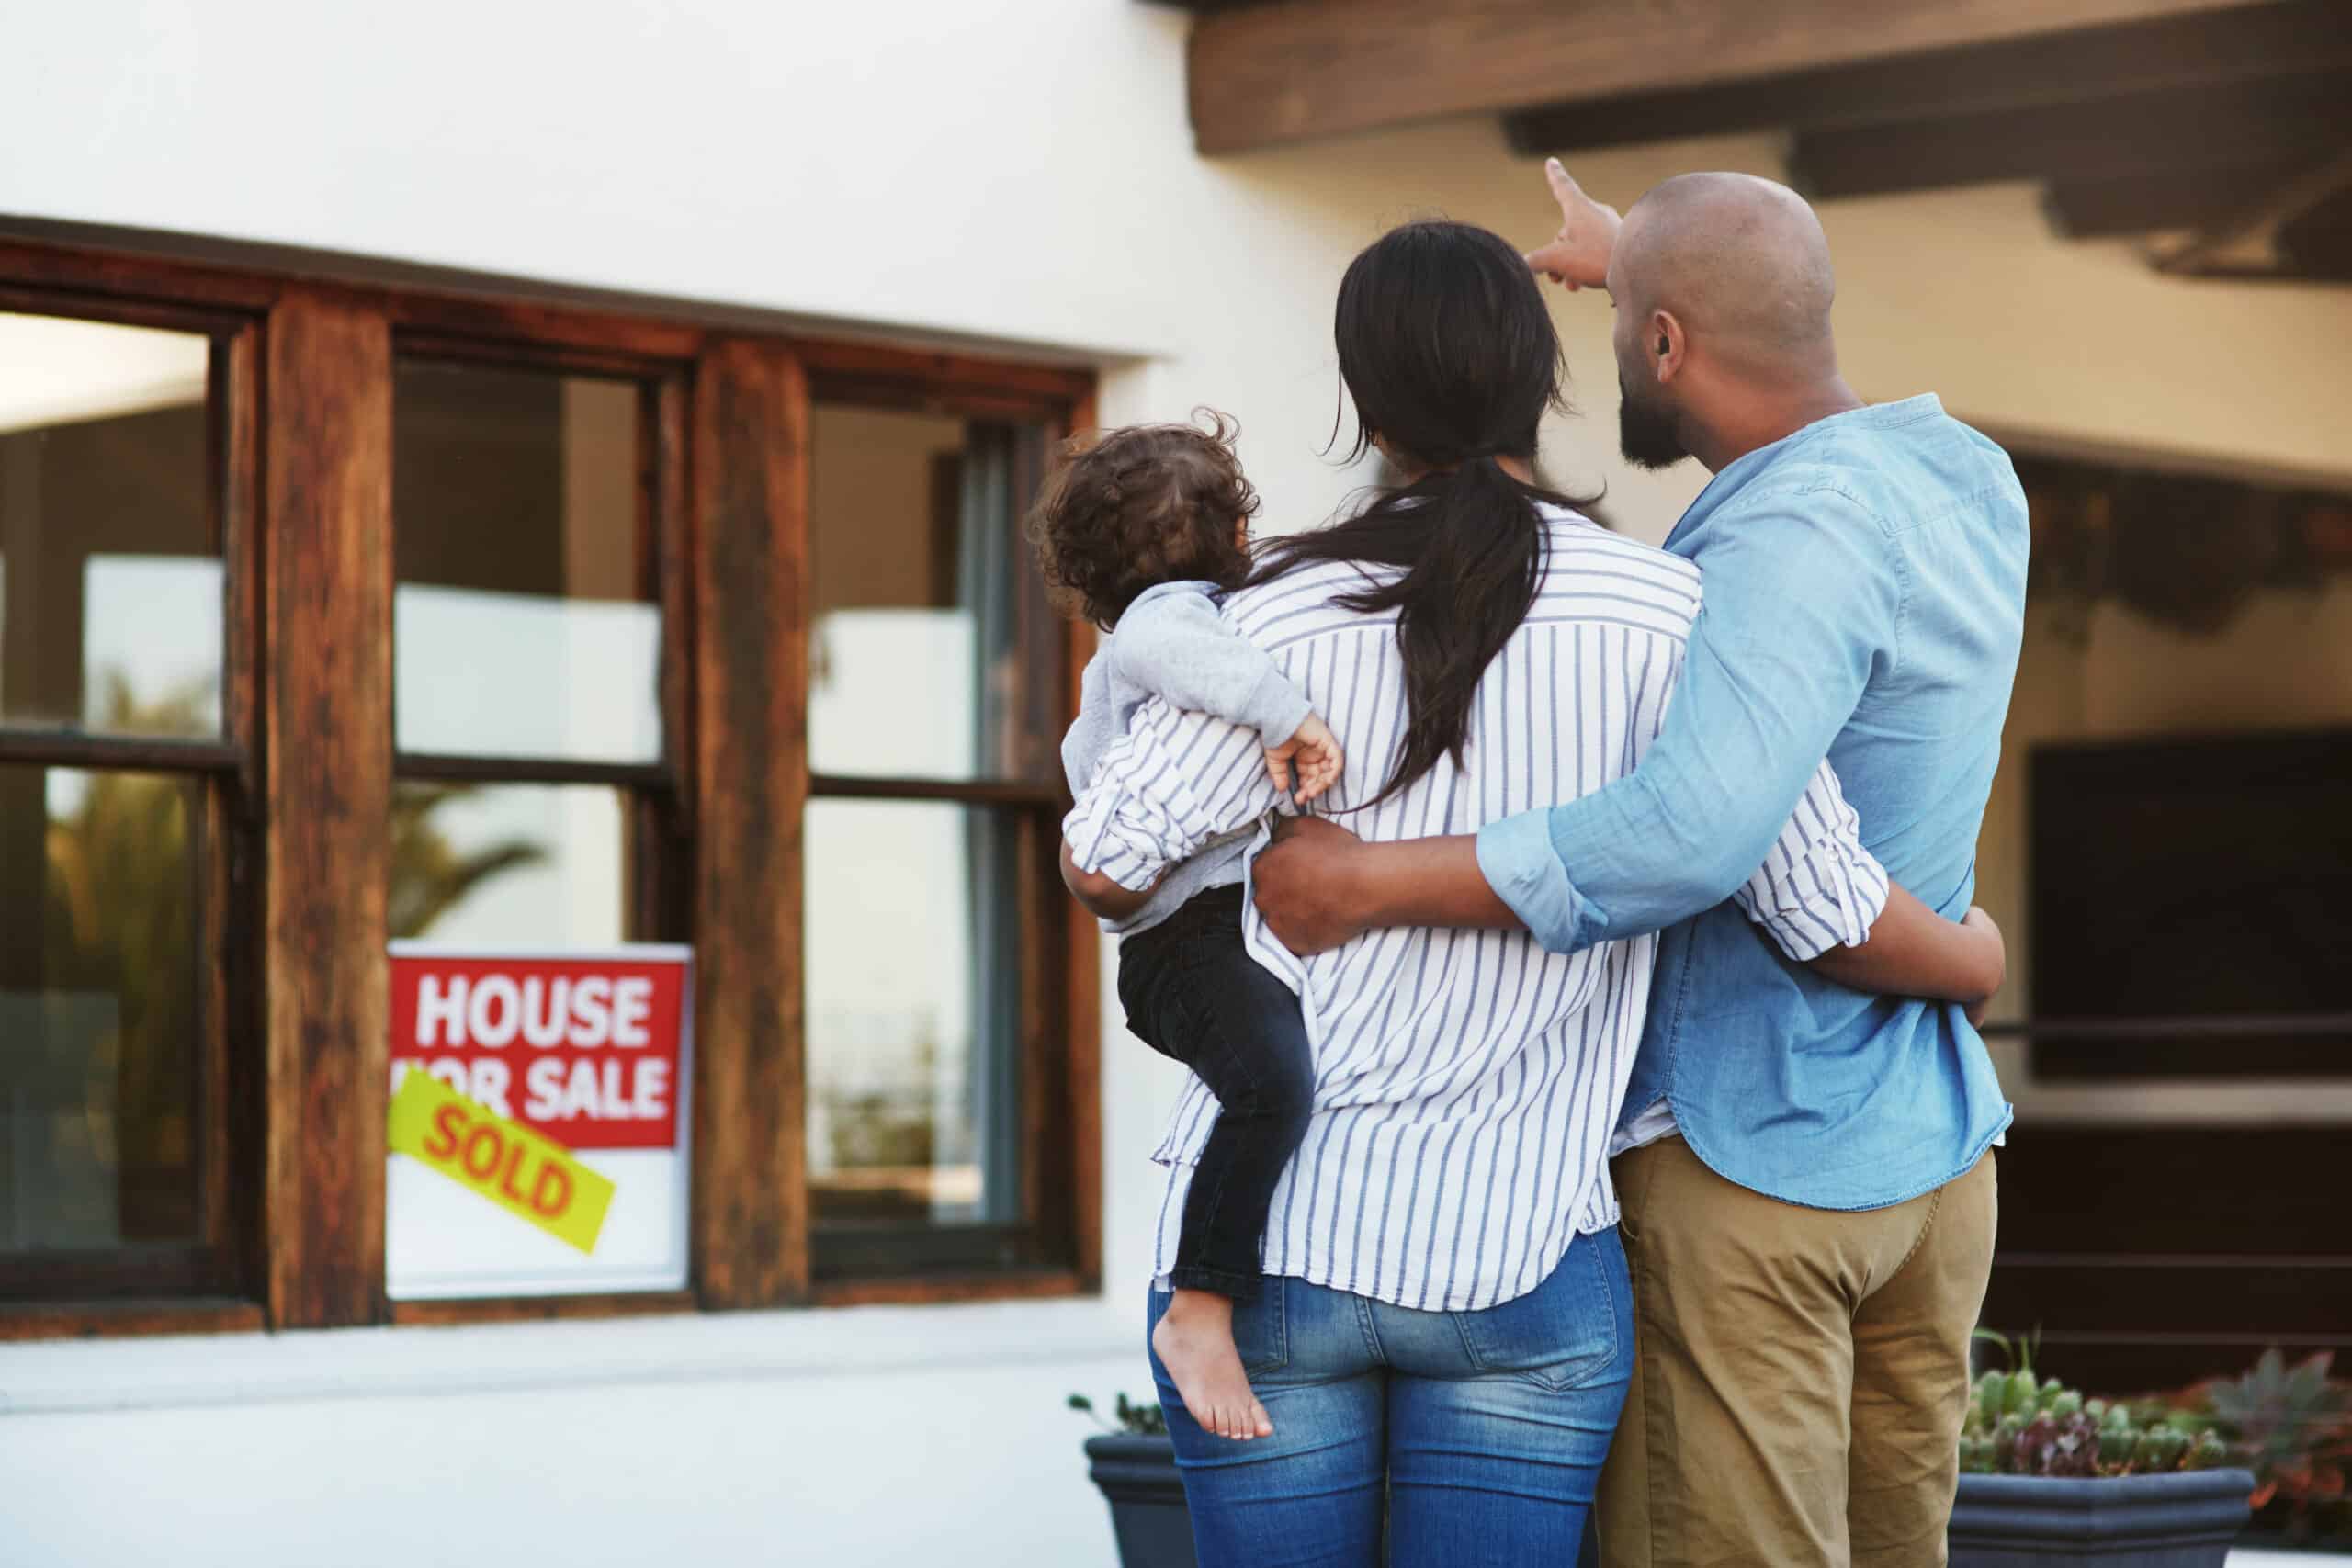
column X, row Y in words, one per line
column 1466, row 1080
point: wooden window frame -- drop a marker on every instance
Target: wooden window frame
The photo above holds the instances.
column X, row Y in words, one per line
column 1061, row 1072
column 226, row 771
column 308, row 765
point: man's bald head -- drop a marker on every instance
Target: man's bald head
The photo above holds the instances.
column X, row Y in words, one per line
column 1741, row 263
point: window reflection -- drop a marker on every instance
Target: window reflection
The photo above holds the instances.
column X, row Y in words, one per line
column 509, row 865
column 913, row 978
column 98, row 937
column 933, row 653
column 524, row 624
column 110, row 581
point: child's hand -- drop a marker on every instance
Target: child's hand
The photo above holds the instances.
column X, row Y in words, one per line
column 1316, row 750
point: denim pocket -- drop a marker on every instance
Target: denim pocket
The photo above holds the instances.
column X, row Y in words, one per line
column 1262, row 1328
column 1561, row 1333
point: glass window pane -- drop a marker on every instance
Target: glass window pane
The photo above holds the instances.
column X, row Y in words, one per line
column 913, row 975
column 98, row 1024
column 110, row 586
column 510, row 865
column 525, row 621
column 935, row 653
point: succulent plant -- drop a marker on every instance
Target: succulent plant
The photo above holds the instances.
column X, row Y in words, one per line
column 2291, row 1425
column 1991, row 1397
column 2294, row 1424
column 2208, row 1452
column 2160, row 1449
column 1138, row 1420
column 2020, row 1424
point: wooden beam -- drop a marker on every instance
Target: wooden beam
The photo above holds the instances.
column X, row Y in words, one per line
column 2259, row 217
column 751, row 786
column 995, row 1285
column 2198, row 50
column 2157, row 201
column 327, row 749
column 1308, row 68
column 542, row 1309
column 1081, row 963
column 2178, row 131
column 126, row 1319
column 2317, row 245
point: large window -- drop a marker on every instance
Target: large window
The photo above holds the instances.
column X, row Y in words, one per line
column 535, row 788
column 120, row 764
column 934, row 931
column 333, row 615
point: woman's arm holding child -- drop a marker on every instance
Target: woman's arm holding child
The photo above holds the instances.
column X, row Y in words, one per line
column 1175, row 782
column 1175, row 644
column 1100, row 896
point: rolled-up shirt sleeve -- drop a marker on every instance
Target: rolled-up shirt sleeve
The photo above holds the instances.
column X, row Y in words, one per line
column 1817, row 888
column 1172, row 784
column 1801, row 601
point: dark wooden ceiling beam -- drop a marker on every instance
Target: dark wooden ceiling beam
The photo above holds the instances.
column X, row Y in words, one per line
column 2203, row 50
column 1307, row 68
column 2161, row 199
column 2297, row 226
column 2318, row 243
column 2184, row 132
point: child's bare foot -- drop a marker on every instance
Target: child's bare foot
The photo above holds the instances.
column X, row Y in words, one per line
column 1195, row 1342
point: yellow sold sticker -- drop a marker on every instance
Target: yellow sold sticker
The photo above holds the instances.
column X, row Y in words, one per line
column 525, row 1173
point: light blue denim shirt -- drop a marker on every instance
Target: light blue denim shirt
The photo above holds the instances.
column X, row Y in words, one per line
column 1865, row 597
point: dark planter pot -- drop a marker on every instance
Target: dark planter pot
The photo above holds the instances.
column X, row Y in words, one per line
column 1138, row 1475
column 2183, row 1520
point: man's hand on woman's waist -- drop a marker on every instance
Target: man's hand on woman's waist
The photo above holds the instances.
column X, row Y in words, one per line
column 1320, row 886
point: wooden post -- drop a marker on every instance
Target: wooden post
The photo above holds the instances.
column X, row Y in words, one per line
column 327, row 747
column 751, row 784
column 1083, row 963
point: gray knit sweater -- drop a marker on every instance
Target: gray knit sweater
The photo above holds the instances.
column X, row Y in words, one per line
column 1173, row 643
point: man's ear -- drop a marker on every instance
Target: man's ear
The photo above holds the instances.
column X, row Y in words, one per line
column 1666, row 346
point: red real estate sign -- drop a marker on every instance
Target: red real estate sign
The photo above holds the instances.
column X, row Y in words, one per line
column 586, row 1050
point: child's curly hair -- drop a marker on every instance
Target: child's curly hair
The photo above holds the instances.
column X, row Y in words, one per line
column 1142, row 505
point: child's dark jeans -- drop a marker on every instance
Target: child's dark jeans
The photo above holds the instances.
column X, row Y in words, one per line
column 1193, row 992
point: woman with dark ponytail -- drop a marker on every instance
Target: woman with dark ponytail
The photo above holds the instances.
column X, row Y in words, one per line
column 1444, row 1336
column 1452, row 384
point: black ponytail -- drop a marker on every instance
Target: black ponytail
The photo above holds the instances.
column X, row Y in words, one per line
column 1451, row 357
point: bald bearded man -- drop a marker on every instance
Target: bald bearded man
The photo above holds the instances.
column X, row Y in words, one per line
column 1804, row 1169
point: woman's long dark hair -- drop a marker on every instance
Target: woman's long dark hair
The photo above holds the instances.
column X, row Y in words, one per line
column 1451, row 357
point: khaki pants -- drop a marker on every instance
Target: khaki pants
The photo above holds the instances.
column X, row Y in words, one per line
column 1800, row 1374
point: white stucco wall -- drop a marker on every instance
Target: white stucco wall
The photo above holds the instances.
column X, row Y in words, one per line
column 1014, row 169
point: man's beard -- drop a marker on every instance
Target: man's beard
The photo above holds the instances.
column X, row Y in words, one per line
column 1644, row 434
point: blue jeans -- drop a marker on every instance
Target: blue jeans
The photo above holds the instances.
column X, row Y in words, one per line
column 1473, row 1436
